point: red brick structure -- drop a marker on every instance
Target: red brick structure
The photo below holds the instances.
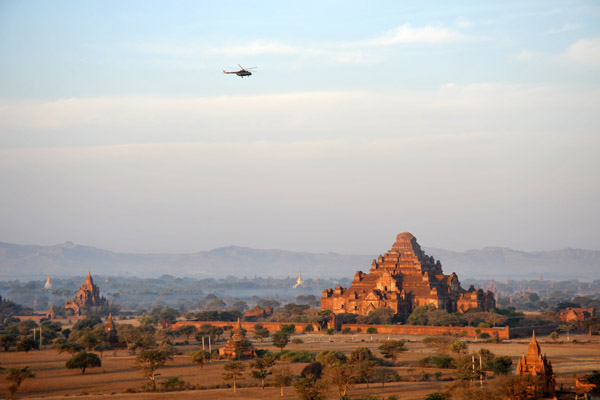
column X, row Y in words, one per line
column 259, row 312
column 536, row 365
column 111, row 330
column 576, row 316
column 229, row 350
column 88, row 297
column 402, row 279
column 50, row 314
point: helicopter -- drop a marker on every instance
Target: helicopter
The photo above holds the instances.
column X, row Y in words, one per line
column 242, row 72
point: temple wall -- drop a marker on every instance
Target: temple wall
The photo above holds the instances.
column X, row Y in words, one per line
column 426, row 330
column 500, row 333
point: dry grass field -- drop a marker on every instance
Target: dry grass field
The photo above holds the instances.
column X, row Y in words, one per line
column 54, row 381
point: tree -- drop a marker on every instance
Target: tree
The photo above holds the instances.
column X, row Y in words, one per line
column 500, row 365
column 261, row 332
column 280, row 339
column 149, row 361
column 26, row 344
column 554, row 336
column 592, row 323
column 282, row 377
column 381, row 316
column 102, row 347
column 392, row 349
column 365, row 370
column 458, row 347
column 187, row 331
column 341, row 375
column 288, row 329
column 199, row 357
column 310, row 389
column 440, row 343
column 241, row 348
column 331, row 357
column 8, row 340
column 17, row 376
column 83, row 360
column 62, row 345
column 360, row 354
column 234, row 370
column 261, row 368
column 88, row 322
column 383, row 375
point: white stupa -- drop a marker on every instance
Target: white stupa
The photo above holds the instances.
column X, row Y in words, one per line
column 299, row 281
column 48, row 284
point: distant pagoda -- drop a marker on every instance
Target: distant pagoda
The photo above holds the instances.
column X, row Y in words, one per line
column 87, row 298
column 299, row 281
column 48, row 284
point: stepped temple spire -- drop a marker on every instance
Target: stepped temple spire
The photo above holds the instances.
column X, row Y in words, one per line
column 534, row 364
column 402, row 279
column 87, row 297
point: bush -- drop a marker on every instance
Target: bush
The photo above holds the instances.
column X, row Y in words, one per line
column 346, row 331
column 295, row 356
column 297, row 341
column 484, row 335
column 371, row 330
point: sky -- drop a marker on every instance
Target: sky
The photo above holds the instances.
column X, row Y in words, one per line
column 468, row 124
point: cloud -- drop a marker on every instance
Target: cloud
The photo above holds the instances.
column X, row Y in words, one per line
column 584, row 52
column 406, row 34
column 564, row 28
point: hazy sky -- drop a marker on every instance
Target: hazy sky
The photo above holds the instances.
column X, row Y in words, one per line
column 469, row 125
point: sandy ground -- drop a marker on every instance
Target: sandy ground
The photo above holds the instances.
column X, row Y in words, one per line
column 54, row 381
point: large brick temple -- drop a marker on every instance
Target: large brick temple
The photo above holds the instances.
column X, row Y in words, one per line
column 87, row 297
column 402, row 279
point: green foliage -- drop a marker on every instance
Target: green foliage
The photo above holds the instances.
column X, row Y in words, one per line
column 233, row 371
column 392, row 348
column 261, row 332
column 282, row 377
column 361, row 354
column 436, row 396
column 173, row 383
column 200, row 357
column 484, row 335
column 330, row 331
column 295, row 356
column 17, row 376
column 458, row 347
column 308, row 388
column 289, row 329
column 261, row 368
column 280, row 339
column 342, row 376
column 500, row 365
column 419, row 315
column 228, row 315
column 26, row 344
column 89, row 322
column 83, row 360
column 314, row 370
column 331, row 357
column 593, row 378
column 214, row 332
column 443, row 362
column 149, row 361
column 371, row 330
column 381, row 316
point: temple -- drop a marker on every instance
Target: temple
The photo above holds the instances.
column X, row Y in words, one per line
column 537, row 366
column 111, row 330
column 237, row 346
column 87, row 298
column 402, row 279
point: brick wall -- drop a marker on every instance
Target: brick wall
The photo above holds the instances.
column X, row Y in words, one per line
column 500, row 333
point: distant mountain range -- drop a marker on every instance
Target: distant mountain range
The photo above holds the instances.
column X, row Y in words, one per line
column 68, row 259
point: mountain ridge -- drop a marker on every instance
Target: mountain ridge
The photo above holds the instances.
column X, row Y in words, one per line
column 68, row 259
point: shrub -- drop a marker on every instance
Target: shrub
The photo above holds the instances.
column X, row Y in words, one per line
column 346, row 331
column 371, row 330
column 297, row 341
column 295, row 356
column 484, row 335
